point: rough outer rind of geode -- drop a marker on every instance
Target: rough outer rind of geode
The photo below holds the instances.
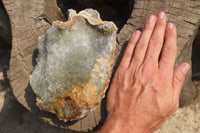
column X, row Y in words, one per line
column 74, row 64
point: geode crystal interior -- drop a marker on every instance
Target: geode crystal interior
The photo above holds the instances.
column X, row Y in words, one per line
column 74, row 64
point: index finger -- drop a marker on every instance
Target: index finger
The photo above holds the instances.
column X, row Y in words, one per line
column 168, row 55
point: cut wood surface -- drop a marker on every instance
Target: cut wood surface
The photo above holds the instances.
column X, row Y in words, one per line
column 185, row 14
column 30, row 19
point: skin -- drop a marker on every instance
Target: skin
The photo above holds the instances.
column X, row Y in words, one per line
column 145, row 90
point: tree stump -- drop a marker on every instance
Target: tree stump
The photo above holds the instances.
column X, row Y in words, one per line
column 30, row 19
column 185, row 14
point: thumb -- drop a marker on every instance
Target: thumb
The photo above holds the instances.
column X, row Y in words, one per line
column 179, row 77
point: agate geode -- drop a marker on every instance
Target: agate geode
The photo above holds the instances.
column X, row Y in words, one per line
column 74, row 64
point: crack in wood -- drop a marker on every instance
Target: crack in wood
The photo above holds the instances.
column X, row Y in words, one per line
column 189, row 22
column 133, row 25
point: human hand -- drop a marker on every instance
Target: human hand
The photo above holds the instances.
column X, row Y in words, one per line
column 145, row 91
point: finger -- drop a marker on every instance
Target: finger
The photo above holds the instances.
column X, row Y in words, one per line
column 157, row 38
column 142, row 44
column 129, row 49
column 168, row 55
column 178, row 78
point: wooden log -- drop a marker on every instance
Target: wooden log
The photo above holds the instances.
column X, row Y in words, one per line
column 186, row 16
column 30, row 19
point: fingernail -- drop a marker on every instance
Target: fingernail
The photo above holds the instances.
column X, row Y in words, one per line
column 161, row 14
column 170, row 25
column 151, row 18
column 186, row 68
column 137, row 33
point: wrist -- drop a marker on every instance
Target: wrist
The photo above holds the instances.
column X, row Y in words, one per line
column 115, row 124
column 112, row 125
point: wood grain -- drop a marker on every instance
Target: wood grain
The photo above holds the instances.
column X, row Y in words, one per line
column 30, row 19
column 185, row 14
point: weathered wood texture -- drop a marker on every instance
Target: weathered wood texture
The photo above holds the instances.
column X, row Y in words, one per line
column 30, row 19
column 27, row 24
column 185, row 14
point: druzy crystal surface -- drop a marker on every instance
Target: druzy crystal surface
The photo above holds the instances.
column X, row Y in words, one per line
column 74, row 64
